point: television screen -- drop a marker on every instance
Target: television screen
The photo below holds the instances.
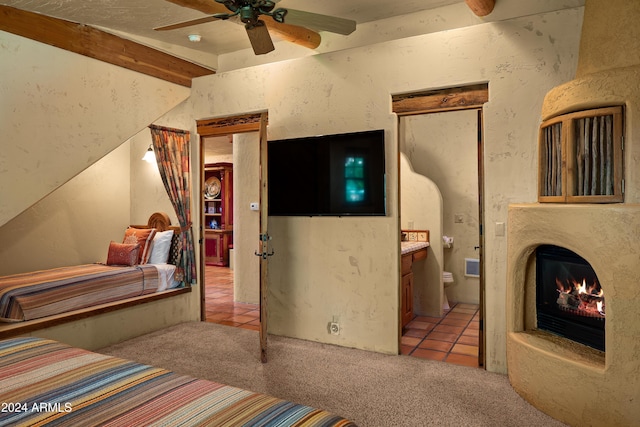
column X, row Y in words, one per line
column 328, row 175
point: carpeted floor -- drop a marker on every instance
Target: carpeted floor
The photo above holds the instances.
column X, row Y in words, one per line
column 369, row 388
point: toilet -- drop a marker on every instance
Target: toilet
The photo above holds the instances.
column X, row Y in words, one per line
column 447, row 280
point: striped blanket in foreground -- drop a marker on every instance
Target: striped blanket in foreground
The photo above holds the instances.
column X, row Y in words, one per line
column 43, row 382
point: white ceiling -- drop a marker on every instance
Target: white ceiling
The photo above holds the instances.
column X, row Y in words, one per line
column 139, row 17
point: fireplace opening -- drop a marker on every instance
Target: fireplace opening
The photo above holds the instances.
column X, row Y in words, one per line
column 569, row 299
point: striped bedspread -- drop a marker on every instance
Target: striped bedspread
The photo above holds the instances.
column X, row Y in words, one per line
column 43, row 382
column 37, row 294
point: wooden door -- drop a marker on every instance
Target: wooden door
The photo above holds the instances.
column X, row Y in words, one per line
column 265, row 250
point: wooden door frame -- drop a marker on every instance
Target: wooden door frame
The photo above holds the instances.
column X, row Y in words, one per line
column 472, row 97
column 220, row 126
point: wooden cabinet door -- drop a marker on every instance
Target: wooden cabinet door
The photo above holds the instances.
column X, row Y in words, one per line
column 407, row 298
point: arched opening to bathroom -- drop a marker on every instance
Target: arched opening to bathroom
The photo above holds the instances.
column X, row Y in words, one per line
column 440, row 140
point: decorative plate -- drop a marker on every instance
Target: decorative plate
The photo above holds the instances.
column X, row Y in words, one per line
column 212, row 188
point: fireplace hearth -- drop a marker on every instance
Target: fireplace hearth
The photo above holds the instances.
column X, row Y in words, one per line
column 570, row 301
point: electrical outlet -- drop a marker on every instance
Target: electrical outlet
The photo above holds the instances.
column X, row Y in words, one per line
column 334, row 328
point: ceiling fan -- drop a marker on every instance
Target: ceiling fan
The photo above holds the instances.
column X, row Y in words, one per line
column 261, row 17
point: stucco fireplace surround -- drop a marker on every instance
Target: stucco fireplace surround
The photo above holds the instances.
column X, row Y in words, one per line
column 574, row 383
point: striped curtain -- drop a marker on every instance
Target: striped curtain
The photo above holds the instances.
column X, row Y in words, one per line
column 171, row 147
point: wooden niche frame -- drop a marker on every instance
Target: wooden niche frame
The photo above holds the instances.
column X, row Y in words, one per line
column 580, row 157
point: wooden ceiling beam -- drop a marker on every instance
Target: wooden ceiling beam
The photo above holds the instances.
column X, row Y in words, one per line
column 481, row 7
column 100, row 45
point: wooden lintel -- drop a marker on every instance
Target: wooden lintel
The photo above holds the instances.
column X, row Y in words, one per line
column 100, row 45
column 229, row 125
column 481, row 7
column 459, row 98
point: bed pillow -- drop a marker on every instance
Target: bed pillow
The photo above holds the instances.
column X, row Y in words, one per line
column 160, row 248
column 123, row 253
column 175, row 253
column 144, row 238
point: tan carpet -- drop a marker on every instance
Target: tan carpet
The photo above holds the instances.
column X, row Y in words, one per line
column 369, row 388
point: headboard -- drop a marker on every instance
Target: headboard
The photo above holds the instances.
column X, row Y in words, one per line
column 160, row 221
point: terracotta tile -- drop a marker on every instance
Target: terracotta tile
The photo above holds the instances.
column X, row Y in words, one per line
column 449, row 329
column 420, row 325
column 254, row 322
column 454, row 322
column 428, row 319
column 412, row 341
column 216, row 317
column 246, row 305
column 468, row 306
column 471, row 332
column 228, row 323
column 468, row 340
column 469, row 350
column 429, row 354
column 441, row 336
column 415, row 333
column 464, row 310
column 474, row 325
column 241, row 318
column 406, row 349
column 429, row 344
column 460, row 359
column 220, row 308
column 463, row 316
column 250, row 327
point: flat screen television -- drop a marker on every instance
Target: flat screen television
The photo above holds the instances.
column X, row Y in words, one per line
column 328, row 175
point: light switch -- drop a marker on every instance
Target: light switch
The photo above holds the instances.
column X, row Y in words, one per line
column 254, row 206
column 500, row 229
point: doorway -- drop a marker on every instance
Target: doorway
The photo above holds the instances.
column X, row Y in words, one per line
column 440, row 137
column 233, row 142
column 225, row 186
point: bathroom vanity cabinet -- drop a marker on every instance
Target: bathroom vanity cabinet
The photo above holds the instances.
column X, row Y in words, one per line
column 407, row 260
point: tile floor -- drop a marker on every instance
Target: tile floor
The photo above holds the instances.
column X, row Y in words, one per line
column 220, row 307
column 452, row 338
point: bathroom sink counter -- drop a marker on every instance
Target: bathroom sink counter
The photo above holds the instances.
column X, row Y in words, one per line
column 409, row 247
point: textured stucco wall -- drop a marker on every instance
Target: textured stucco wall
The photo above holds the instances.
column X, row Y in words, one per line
column 348, row 268
column 75, row 223
column 611, row 39
column 421, row 204
column 60, row 112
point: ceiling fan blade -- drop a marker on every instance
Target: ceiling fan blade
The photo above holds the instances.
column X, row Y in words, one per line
column 320, row 22
column 188, row 23
column 210, row 7
column 260, row 39
column 294, row 34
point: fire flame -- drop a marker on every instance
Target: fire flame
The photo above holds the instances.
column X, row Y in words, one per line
column 580, row 298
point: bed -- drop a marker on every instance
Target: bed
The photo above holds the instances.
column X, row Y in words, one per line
column 44, row 382
column 142, row 264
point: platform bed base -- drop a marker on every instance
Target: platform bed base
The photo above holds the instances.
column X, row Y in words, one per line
column 9, row 330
